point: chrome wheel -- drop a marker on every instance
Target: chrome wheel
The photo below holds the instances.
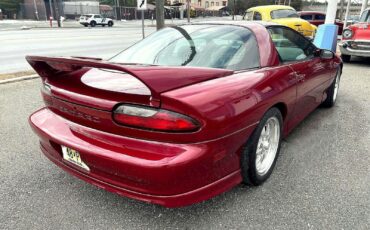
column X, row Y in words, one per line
column 336, row 86
column 267, row 146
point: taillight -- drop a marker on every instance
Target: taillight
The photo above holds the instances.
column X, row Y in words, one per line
column 154, row 119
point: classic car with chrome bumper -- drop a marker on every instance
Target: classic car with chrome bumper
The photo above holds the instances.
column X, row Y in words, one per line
column 356, row 38
column 355, row 48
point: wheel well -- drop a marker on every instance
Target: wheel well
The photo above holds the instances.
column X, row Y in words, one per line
column 283, row 109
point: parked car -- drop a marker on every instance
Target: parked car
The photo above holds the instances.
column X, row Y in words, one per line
column 185, row 114
column 356, row 38
column 95, row 19
column 284, row 15
column 318, row 18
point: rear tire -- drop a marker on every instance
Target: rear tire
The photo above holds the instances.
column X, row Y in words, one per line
column 261, row 151
column 332, row 91
column 85, row 25
column 92, row 23
column 346, row 58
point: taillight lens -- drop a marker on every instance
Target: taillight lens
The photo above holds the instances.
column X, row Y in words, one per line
column 154, row 119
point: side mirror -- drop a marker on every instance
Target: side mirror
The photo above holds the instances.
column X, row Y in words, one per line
column 326, row 54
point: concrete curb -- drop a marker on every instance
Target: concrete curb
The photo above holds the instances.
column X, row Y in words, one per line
column 28, row 77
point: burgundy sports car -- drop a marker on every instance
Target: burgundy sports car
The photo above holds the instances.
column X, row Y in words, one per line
column 185, row 114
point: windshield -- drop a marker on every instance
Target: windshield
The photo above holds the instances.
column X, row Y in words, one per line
column 287, row 13
column 365, row 16
column 214, row 46
column 248, row 16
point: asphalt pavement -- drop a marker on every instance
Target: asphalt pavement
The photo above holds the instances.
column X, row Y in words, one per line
column 100, row 42
column 321, row 180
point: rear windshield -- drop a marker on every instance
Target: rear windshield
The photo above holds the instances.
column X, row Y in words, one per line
column 214, row 46
column 286, row 13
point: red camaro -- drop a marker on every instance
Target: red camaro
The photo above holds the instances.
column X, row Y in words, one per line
column 185, row 114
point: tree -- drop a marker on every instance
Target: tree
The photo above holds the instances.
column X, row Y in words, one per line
column 10, row 5
column 242, row 5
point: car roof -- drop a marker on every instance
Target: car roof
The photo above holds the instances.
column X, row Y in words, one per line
column 234, row 23
column 310, row 12
column 271, row 7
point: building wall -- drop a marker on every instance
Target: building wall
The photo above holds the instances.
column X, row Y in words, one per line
column 203, row 3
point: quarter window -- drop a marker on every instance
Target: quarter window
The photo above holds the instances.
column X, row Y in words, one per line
column 291, row 45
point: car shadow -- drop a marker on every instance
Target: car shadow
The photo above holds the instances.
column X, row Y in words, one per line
column 359, row 61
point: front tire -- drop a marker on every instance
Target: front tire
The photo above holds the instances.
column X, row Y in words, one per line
column 346, row 58
column 332, row 91
column 110, row 23
column 262, row 149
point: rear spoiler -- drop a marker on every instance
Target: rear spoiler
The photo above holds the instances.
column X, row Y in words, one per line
column 158, row 79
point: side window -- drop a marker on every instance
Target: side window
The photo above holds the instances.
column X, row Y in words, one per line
column 307, row 17
column 97, row 16
column 319, row 17
column 291, row 45
column 257, row 16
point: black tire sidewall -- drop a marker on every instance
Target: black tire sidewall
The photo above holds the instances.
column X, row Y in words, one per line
column 110, row 23
column 248, row 158
column 329, row 101
column 346, row 58
column 93, row 24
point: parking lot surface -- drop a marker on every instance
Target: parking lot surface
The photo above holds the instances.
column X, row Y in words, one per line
column 321, row 180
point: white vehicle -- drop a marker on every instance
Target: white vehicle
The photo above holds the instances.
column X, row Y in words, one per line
column 95, row 19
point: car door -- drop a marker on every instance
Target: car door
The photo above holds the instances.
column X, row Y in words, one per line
column 312, row 72
column 98, row 19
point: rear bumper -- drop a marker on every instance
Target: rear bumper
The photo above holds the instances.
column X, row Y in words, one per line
column 168, row 174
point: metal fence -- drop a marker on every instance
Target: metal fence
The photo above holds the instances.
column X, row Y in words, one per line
column 28, row 11
column 73, row 10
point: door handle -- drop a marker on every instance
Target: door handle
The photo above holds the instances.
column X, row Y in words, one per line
column 301, row 77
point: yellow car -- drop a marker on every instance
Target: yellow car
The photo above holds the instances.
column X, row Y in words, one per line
column 284, row 15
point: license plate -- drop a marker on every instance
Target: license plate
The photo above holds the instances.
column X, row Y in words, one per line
column 74, row 157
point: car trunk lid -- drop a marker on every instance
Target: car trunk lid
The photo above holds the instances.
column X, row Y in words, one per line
column 87, row 91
